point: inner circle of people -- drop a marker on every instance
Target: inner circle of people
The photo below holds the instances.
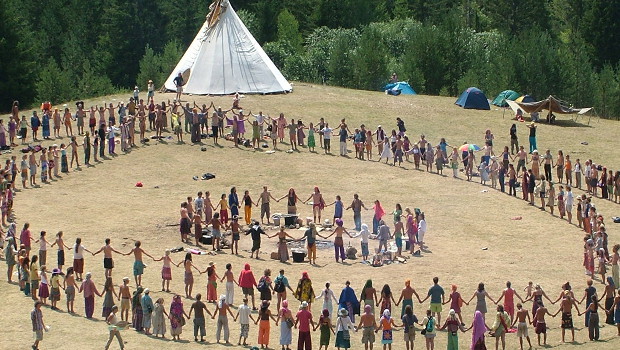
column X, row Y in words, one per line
column 150, row 317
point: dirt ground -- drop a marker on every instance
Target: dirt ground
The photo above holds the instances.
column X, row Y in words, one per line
column 472, row 237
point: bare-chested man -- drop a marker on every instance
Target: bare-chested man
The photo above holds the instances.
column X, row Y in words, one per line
column 512, row 181
column 522, row 157
column 124, row 295
column 406, row 296
column 264, row 208
column 523, row 317
column 368, row 323
column 567, row 317
column 398, row 152
column 539, row 322
column 138, row 265
column 318, row 204
column 185, row 223
column 108, row 263
column 33, row 164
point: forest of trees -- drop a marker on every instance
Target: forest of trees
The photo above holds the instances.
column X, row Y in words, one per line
column 59, row 50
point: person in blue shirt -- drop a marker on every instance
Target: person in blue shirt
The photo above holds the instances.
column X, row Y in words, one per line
column 338, row 208
column 35, row 123
column 437, row 296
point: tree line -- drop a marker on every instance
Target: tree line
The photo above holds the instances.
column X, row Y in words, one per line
column 64, row 49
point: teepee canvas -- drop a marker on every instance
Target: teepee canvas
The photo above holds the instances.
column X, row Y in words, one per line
column 224, row 58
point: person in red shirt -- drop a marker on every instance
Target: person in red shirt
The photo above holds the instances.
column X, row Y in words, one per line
column 304, row 319
column 247, row 282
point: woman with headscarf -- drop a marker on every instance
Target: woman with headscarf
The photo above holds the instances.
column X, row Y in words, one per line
column 9, row 257
column 177, row 317
column 325, row 326
column 385, row 324
column 286, row 327
column 369, row 295
column 479, row 328
column 304, row 290
column 136, row 310
column 456, row 302
column 387, row 298
column 158, row 321
column 90, row 290
column 348, row 301
column 343, row 327
column 379, row 212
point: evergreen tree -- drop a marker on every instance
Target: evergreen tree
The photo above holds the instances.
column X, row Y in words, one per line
column 18, row 66
column 369, row 61
column 288, row 30
column 54, row 85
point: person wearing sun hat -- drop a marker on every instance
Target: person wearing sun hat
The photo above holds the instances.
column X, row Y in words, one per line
column 55, row 287
column 147, row 310
column 343, row 327
column 304, row 319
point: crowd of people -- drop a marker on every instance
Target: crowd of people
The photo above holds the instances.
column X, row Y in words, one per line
column 208, row 218
column 148, row 316
column 375, row 307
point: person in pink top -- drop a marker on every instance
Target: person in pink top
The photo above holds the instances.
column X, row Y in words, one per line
column 508, row 294
column 379, row 212
column 304, row 320
column 247, row 282
column 25, row 238
column 89, row 289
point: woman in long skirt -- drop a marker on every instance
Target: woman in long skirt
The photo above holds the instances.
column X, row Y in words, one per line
column 177, row 317
column 282, row 247
column 343, row 330
column 108, row 297
column 64, row 165
column 212, row 278
column 286, row 326
column 326, row 329
column 158, row 320
column 89, row 289
column 87, row 148
column 136, row 310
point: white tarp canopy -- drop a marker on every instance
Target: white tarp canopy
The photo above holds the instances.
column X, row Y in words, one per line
column 224, row 58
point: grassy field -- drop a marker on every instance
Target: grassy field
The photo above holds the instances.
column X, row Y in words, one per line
column 471, row 236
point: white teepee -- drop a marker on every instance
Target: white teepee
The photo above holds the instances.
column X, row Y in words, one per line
column 224, row 58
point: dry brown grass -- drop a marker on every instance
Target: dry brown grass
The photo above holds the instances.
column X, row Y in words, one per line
column 101, row 202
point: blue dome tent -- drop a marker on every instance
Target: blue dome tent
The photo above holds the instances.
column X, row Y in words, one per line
column 473, row 98
column 399, row 88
